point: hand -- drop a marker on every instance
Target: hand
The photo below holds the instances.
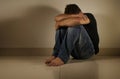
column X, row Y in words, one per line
column 80, row 14
column 84, row 20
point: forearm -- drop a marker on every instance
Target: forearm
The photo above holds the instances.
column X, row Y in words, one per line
column 64, row 16
column 74, row 21
column 69, row 22
column 66, row 23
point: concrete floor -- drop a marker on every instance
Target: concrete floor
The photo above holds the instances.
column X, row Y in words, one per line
column 33, row 67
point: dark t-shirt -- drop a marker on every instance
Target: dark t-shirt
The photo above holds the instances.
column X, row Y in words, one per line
column 91, row 28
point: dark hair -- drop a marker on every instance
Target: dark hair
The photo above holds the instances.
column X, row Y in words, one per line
column 72, row 9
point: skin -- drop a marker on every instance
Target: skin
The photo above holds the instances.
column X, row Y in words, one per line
column 63, row 20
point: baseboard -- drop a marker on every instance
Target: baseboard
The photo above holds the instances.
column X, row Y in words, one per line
column 25, row 51
column 48, row 51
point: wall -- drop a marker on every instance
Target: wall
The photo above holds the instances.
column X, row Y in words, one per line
column 30, row 23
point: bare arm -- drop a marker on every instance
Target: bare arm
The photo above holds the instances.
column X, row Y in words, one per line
column 72, row 21
column 65, row 16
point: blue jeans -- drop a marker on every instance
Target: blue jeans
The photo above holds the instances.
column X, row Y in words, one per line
column 73, row 41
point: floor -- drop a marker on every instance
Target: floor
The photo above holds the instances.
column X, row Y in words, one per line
column 33, row 67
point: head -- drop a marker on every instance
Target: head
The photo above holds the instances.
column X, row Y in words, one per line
column 72, row 9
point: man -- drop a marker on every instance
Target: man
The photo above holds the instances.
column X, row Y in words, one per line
column 76, row 35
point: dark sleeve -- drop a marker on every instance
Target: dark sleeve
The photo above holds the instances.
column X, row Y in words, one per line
column 91, row 28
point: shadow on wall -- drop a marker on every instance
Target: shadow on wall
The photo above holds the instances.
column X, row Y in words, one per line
column 34, row 29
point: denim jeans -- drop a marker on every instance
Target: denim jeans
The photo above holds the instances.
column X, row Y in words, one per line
column 73, row 41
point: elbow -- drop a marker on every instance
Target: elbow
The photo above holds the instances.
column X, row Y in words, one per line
column 58, row 18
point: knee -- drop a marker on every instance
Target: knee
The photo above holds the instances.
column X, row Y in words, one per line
column 74, row 29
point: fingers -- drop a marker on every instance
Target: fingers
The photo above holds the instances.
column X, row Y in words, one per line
column 85, row 17
column 81, row 14
column 84, row 20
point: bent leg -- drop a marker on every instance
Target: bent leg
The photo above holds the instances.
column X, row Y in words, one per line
column 68, row 43
column 60, row 33
column 84, row 47
column 77, row 43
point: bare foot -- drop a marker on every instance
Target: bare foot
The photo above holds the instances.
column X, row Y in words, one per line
column 49, row 59
column 56, row 62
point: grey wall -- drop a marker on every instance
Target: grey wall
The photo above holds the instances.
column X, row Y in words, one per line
column 30, row 23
